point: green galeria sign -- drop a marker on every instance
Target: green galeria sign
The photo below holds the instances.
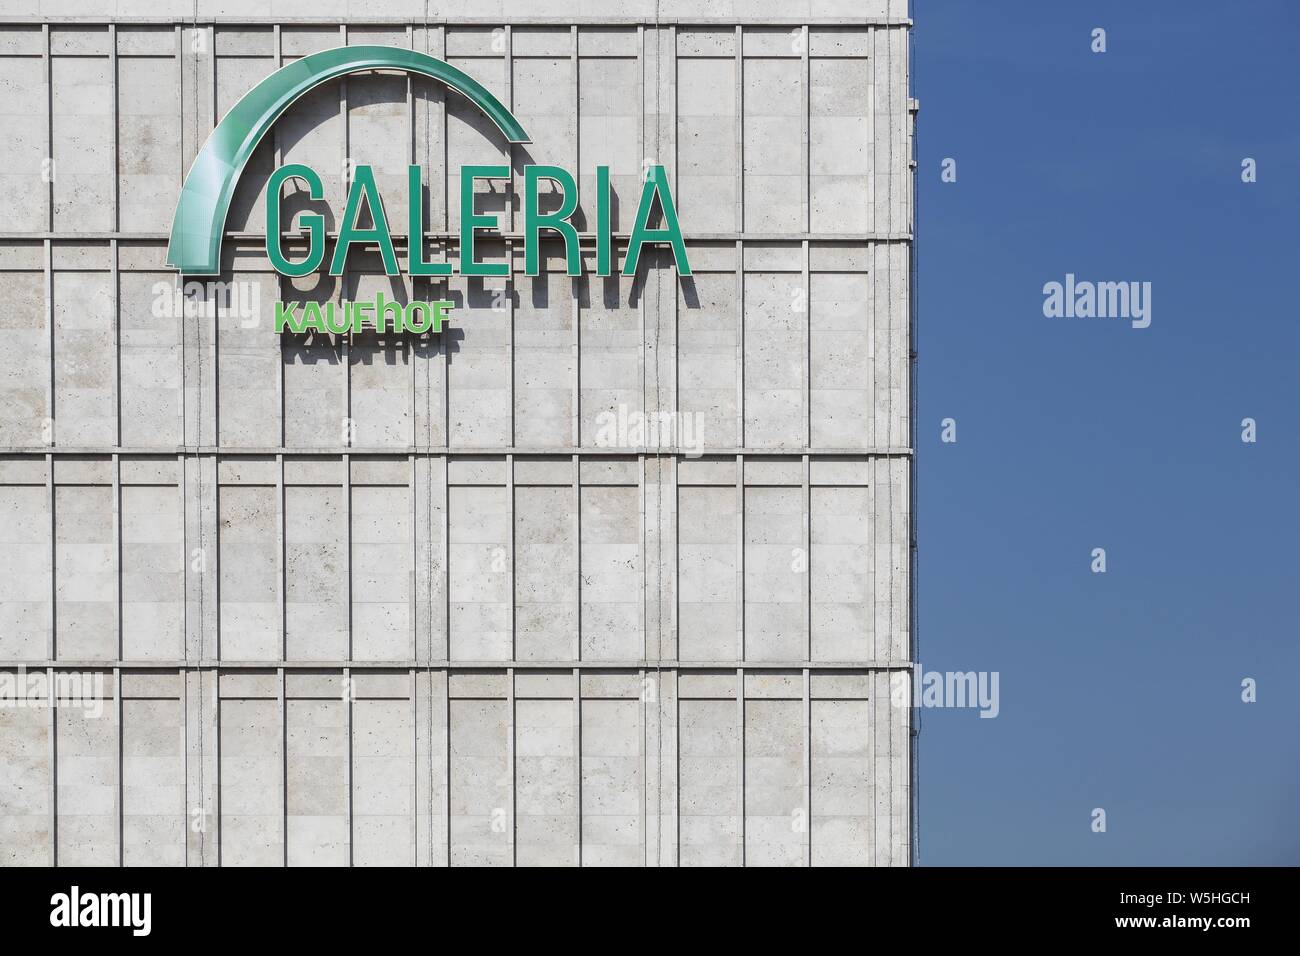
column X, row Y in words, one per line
column 195, row 246
column 363, row 194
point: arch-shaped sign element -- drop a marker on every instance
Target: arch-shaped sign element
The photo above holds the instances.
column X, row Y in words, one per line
column 195, row 245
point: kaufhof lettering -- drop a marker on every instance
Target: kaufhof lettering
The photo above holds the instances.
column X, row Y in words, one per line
column 380, row 314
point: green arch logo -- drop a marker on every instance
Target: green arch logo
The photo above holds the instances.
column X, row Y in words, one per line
column 195, row 244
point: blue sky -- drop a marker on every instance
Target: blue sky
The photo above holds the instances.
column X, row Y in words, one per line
column 1119, row 690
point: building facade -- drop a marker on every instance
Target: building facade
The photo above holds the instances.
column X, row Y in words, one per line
column 611, row 571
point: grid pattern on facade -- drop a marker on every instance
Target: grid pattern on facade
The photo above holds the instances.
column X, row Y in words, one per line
column 370, row 599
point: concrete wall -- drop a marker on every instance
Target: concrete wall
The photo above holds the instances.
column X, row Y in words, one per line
column 392, row 600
